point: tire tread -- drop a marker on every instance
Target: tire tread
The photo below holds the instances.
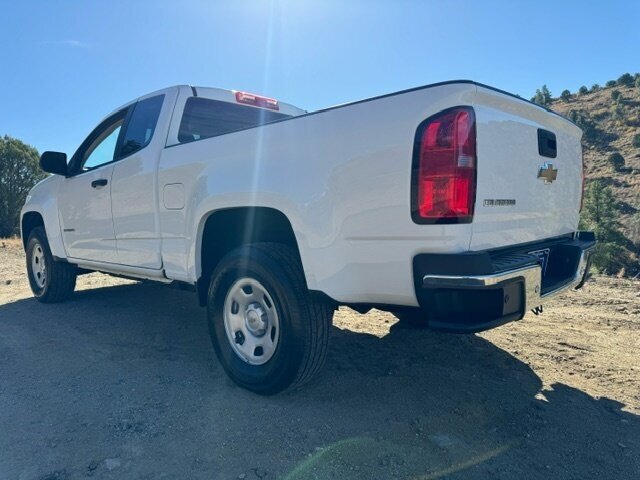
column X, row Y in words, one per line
column 318, row 312
column 61, row 275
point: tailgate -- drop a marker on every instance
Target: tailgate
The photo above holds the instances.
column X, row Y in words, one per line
column 526, row 191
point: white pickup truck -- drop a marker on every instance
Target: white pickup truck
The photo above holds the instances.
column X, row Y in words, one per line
column 454, row 205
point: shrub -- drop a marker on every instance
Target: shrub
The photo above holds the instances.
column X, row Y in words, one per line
column 625, row 80
column 618, row 112
column 610, row 83
column 581, row 119
column 638, row 80
column 636, row 140
column 542, row 96
column 600, row 214
column 565, row 95
column 616, row 160
column 595, row 87
column 19, row 171
column 615, row 95
column 583, row 90
column 577, row 117
column 634, row 228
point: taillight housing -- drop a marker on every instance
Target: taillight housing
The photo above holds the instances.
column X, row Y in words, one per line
column 444, row 168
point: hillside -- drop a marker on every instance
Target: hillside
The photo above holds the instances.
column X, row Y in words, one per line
column 610, row 125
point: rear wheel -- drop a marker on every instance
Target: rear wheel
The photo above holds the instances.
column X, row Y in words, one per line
column 268, row 331
column 50, row 281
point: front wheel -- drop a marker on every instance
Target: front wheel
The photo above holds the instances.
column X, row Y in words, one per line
column 268, row 332
column 50, row 281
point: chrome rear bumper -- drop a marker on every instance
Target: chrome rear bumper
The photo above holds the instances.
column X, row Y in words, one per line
column 531, row 275
column 475, row 291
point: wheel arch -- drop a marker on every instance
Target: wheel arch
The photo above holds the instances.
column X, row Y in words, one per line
column 28, row 222
column 223, row 230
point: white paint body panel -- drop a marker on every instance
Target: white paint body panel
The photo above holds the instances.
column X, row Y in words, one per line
column 135, row 196
column 508, row 163
column 85, row 216
column 342, row 177
column 43, row 200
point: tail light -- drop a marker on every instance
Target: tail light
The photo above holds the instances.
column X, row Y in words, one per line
column 444, row 169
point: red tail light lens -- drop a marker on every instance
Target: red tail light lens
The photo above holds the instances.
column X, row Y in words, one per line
column 444, row 176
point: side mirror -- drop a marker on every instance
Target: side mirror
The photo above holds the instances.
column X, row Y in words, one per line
column 54, row 162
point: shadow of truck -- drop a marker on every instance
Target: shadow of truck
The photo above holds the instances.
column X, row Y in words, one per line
column 121, row 382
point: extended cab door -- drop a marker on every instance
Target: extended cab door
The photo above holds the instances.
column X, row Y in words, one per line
column 134, row 186
column 84, row 197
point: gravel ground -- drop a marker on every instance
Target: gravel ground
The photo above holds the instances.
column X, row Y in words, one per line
column 121, row 382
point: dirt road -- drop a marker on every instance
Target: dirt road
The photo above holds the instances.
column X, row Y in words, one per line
column 121, row 382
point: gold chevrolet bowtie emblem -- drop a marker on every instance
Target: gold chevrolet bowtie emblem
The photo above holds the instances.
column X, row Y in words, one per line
column 547, row 172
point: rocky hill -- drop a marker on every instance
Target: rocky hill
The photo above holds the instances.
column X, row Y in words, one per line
column 610, row 118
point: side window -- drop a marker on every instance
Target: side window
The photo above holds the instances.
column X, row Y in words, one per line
column 141, row 125
column 102, row 149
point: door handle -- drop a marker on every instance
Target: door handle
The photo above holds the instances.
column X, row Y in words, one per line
column 99, row 183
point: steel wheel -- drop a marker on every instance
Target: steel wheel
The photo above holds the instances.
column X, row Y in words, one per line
column 50, row 281
column 39, row 265
column 268, row 331
column 251, row 321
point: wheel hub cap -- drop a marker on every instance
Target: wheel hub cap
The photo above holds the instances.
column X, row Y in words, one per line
column 38, row 266
column 251, row 321
column 256, row 319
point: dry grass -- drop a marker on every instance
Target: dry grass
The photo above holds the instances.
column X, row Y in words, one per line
column 11, row 242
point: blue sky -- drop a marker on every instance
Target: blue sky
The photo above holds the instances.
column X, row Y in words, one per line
column 66, row 64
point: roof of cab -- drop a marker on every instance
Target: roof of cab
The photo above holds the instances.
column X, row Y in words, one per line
column 220, row 94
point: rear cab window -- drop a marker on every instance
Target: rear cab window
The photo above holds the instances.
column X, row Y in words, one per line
column 141, row 125
column 205, row 118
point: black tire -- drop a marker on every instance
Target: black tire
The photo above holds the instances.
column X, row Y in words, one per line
column 304, row 322
column 60, row 279
column 411, row 318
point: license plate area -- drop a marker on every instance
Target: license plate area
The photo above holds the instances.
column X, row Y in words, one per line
column 543, row 258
